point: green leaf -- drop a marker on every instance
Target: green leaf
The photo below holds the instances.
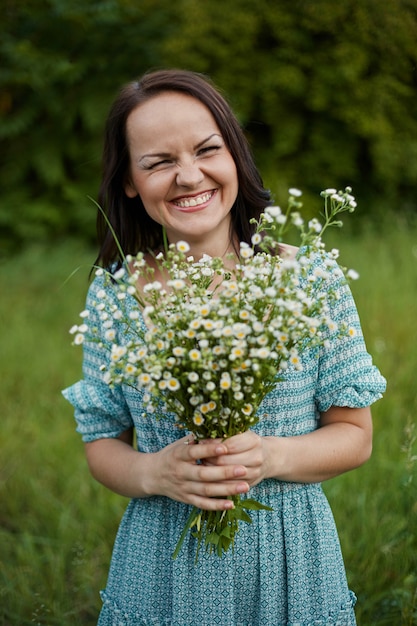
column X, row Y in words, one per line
column 224, row 544
column 242, row 515
column 226, row 532
column 213, row 538
column 254, row 505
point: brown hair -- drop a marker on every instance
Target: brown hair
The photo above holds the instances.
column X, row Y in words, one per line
column 134, row 229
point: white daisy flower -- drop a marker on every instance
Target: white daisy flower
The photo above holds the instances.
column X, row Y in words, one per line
column 183, row 246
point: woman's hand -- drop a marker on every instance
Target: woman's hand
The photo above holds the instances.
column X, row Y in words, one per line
column 178, row 471
column 181, row 472
column 248, row 450
column 341, row 443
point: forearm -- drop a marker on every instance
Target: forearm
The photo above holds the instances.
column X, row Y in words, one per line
column 338, row 446
column 119, row 467
column 174, row 471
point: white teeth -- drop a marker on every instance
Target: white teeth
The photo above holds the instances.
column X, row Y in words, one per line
column 185, row 204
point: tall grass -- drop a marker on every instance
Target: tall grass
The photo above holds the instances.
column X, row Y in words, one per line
column 57, row 525
column 376, row 506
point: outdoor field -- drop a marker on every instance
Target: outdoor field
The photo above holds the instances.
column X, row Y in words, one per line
column 58, row 525
column 325, row 93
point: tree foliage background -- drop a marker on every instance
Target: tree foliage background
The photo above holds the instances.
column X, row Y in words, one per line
column 326, row 91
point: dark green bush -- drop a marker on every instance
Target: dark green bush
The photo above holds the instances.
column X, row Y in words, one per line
column 325, row 90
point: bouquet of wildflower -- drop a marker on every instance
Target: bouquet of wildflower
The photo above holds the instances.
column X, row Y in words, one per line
column 210, row 343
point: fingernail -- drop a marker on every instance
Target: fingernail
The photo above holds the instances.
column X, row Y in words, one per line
column 239, row 471
column 242, row 488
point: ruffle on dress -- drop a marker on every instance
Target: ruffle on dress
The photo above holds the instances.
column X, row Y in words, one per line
column 112, row 615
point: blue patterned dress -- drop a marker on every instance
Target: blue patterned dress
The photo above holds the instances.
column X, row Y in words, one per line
column 287, row 568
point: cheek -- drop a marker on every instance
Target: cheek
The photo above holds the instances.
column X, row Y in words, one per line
column 147, row 190
column 233, row 179
column 230, row 168
column 152, row 197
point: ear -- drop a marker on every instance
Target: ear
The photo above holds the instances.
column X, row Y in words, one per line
column 130, row 191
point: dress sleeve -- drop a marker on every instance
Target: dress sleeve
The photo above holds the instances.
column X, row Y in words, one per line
column 347, row 376
column 101, row 411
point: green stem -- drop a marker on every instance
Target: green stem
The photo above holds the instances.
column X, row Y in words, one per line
column 111, row 229
column 188, row 525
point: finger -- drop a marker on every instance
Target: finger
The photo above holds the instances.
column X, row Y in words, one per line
column 189, row 466
column 214, row 473
column 218, row 490
column 217, row 440
column 211, row 504
column 206, row 450
column 240, row 443
column 188, row 440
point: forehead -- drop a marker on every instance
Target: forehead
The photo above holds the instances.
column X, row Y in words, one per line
column 169, row 114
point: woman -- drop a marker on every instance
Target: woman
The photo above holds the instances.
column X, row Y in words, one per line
column 175, row 157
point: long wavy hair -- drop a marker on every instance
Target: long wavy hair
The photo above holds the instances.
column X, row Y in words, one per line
column 134, row 229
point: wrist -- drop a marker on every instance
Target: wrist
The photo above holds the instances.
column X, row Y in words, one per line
column 276, row 463
column 147, row 469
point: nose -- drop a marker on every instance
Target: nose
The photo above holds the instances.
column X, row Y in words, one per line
column 189, row 175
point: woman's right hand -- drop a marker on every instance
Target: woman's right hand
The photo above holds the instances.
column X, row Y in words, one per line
column 175, row 471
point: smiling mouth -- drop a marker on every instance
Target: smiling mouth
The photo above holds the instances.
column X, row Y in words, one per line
column 196, row 201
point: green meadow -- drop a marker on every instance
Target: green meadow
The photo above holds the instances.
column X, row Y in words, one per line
column 57, row 525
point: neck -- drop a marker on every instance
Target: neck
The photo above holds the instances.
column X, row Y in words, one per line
column 220, row 247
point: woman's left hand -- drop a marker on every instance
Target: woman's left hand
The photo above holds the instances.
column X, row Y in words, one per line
column 342, row 442
column 247, row 449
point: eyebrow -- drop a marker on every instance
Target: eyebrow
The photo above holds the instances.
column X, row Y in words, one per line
column 159, row 155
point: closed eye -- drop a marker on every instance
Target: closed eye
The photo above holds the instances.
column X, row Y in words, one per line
column 208, row 149
column 157, row 164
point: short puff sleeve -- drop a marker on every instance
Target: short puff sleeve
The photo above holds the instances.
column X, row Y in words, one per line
column 347, row 376
column 101, row 411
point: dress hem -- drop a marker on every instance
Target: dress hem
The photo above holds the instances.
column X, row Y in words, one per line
column 112, row 615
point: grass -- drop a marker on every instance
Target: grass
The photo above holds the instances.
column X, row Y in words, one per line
column 54, row 552
column 57, row 525
column 376, row 506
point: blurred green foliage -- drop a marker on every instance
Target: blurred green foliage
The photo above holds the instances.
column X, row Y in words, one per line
column 325, row 90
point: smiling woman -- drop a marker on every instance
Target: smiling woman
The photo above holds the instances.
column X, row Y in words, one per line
column 176, row 160
column 125, row 157
column 183, row 172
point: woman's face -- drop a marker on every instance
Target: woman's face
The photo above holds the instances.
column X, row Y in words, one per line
column 182, row 170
